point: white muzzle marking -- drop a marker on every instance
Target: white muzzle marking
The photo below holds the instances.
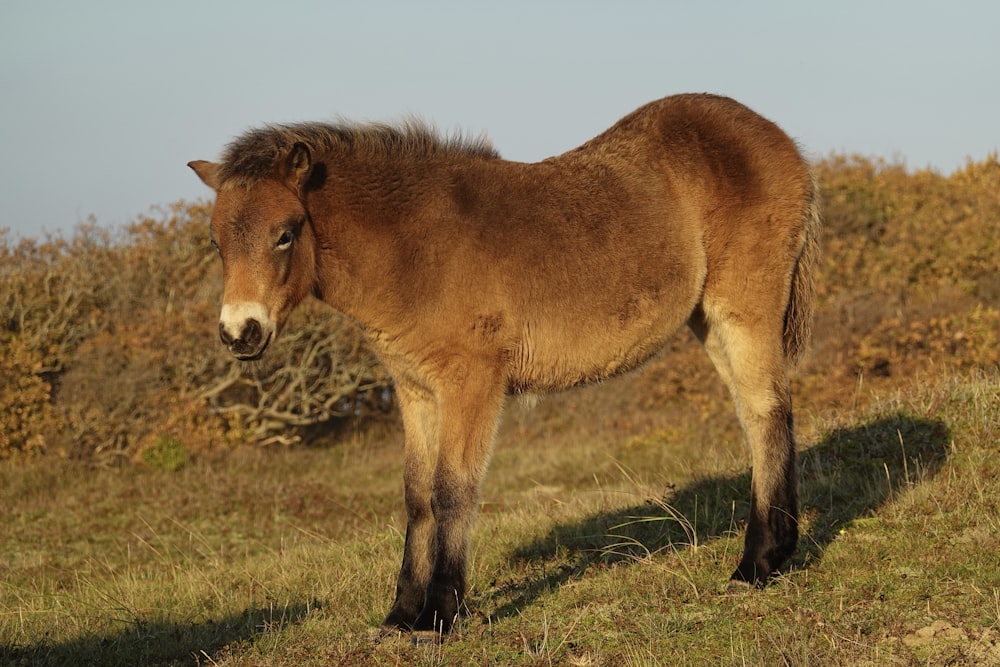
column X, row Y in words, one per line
column 246, row 327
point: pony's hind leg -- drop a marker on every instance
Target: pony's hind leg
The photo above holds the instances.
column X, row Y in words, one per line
column 749, row 357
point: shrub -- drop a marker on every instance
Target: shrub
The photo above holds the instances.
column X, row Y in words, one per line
column 320, row 370
column 108, row 348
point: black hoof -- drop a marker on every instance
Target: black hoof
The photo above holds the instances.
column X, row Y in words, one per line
column 388, row 633
column 398, row 621
column 750, row 575
column 433, row 622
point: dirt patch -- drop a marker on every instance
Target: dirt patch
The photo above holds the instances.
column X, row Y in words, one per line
column 941, row 638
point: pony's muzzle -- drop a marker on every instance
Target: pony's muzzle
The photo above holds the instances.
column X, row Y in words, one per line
column 245, row 337
column 247, row 344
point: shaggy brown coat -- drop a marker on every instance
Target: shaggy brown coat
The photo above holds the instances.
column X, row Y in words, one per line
column 476, row 277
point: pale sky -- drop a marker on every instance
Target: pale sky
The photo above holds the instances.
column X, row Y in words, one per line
column 103, row 102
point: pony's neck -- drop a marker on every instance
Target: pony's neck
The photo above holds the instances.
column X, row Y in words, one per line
column 359, row 231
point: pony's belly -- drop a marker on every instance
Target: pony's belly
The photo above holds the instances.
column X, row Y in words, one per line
column 546, row 362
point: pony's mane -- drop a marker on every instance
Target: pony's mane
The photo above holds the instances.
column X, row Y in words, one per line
column 255, row 154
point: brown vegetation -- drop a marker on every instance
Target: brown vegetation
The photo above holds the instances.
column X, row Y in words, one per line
column 610, row 516
column 109, row 349
column 108, row 339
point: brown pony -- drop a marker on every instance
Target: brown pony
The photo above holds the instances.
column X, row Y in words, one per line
column 476, row 278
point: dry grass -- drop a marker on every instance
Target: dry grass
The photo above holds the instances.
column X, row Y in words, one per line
column 288, row 556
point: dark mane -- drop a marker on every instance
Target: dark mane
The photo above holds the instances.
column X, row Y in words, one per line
column 254, row 155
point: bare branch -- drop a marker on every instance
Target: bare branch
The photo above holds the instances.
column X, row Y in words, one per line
column 321, row 370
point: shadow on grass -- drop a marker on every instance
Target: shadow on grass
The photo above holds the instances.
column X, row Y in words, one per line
column 848, row 475
column 159, row 644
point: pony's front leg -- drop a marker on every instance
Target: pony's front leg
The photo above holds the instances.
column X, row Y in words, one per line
column 419, row 412
column 469, row 415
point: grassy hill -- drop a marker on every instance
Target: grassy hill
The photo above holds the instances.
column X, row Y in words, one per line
column 147, row 523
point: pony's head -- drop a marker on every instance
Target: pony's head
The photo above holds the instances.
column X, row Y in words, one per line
column 261, row 229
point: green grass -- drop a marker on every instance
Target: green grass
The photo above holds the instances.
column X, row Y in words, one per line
column 595, row 545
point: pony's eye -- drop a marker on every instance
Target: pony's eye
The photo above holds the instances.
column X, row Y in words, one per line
column 215, row 246
column 285, row 240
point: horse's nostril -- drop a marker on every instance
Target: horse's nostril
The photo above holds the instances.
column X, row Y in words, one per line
column 252, row 334
column 224, row 336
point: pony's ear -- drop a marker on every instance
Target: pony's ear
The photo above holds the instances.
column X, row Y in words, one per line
column 208, row 172
column 298, row 166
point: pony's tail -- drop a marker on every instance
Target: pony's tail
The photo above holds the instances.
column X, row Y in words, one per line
column 799, row 315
